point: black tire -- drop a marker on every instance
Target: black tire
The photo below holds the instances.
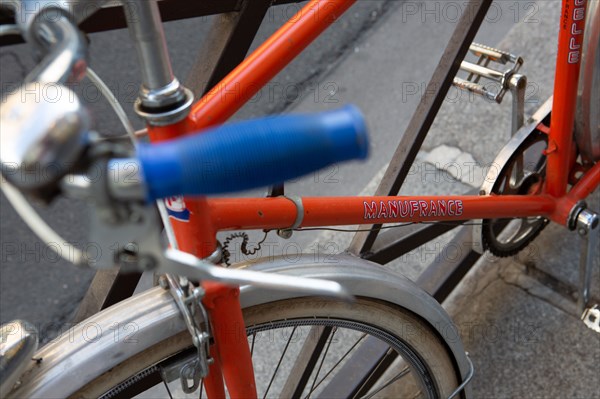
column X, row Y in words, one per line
column 422, row 351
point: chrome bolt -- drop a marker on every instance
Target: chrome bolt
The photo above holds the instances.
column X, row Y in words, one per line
column 163, row 282
column 284, row 233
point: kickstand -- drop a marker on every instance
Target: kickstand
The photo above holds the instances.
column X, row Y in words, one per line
column 587, row 227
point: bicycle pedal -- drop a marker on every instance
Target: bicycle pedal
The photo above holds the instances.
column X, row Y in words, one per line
column 499, row 81
column 591, row 318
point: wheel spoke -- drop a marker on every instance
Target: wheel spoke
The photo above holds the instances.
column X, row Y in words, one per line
column 389, row 382
column 169, row 391
column 305, row 362
column 252, row 345
column 312, row 388
column 378, row 372
column 279, row 363
column 368, row 362
column 340, row 361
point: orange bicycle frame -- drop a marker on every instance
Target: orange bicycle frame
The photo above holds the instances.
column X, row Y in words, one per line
column 208, row 216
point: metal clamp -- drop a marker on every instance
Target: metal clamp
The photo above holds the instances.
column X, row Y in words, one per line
column 189, row 302
column 287, row 233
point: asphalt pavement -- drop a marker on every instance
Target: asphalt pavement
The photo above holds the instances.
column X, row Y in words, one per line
column 40, row 287
column 516, row 315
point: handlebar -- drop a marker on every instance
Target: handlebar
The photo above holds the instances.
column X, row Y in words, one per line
column 50, row 27
column 253, row 153
column 230, row 158
column 37, row 137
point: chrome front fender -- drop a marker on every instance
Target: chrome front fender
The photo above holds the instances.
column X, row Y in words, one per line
column 361, row 278
column 73, row 360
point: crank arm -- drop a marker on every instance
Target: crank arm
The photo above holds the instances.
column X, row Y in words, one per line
column 184, row 264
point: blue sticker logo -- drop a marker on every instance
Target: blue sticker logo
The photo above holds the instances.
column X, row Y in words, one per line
column 176, row 208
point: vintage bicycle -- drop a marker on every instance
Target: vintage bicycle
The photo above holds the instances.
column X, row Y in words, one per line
column 392, row 334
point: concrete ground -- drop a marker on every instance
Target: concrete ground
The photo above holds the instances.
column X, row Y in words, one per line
column 516, row 315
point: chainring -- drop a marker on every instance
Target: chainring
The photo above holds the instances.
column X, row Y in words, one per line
column 523, row 173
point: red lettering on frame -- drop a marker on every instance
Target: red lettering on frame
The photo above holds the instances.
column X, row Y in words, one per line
column 423, row 206
column 404, row 209
column 393, row 205
column 414, row 207
column 370, row 210
column 578, row 16
column 442, row 206
column 450, row 211
column 459, row 208
column 383, row 212
column 432, row 209
column 573, row 44
column 573, row 57
column 420, row 208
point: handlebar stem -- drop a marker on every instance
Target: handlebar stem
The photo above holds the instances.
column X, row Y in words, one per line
column 162, row 99
column 145, row 28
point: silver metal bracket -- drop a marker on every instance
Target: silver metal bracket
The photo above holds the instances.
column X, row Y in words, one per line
column 287, row 233
column 591, row 318
column 160, row 116
column 189, row 302
column 587, row 228
column 498, row 82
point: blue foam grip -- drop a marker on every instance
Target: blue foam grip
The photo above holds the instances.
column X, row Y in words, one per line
column 253, row 153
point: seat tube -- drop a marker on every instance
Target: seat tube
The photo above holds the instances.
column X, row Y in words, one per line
column 560, row 143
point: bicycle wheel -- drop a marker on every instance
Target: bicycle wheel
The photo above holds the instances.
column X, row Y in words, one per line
column 279, row 333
